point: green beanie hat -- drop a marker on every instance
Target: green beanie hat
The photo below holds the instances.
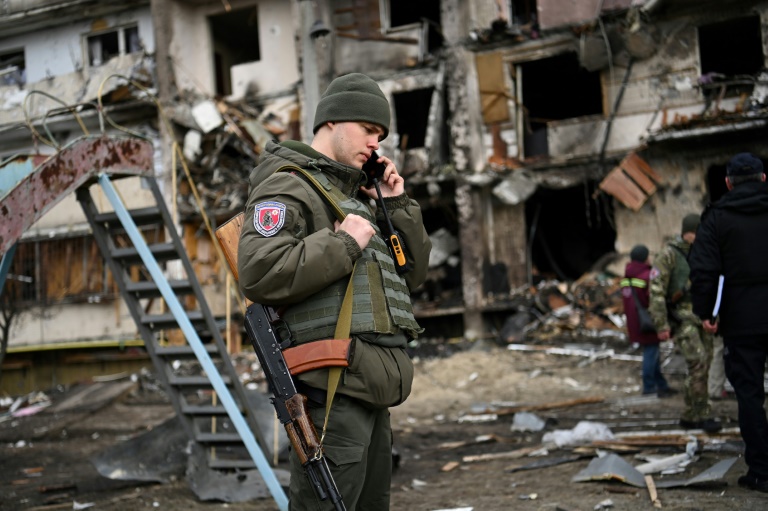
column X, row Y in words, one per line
column 356, row 98
column 690, row 223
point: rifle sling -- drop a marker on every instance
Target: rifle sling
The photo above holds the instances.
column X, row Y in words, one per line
column 343, row 327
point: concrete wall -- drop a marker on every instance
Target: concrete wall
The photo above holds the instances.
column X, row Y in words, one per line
column 73, row 322
column 684, row 191
column 60, row 50
column 192, row 48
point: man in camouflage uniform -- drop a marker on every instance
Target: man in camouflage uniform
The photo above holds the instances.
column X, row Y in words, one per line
column 672, row 312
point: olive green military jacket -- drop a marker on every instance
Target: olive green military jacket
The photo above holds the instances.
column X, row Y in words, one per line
column 305, row 254
column 670, row 299
column 289, row 255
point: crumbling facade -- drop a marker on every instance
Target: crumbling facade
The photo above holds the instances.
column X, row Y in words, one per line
column 543, row 138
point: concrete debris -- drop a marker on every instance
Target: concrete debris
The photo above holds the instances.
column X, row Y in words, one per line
column 588, row 308
column 526, row 421
column 583, row 432
column 221, row 143
column 516, row 188
column 605, row 504
column 675, row 462
column 207, row 116
column 444, row 244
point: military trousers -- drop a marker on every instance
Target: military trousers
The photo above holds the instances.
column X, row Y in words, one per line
column 696, row 346
column 358, row 448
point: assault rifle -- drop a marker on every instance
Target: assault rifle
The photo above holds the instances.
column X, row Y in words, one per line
column 260, row 325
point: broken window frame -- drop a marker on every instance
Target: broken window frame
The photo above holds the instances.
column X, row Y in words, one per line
column 385, row 13
column 531, row 15
column 123, row 34
column 735, row 84
column 10, row 72
column 221, row 67
column 514, row 63
column 379, row 27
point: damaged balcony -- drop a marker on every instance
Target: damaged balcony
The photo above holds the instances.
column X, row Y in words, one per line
column 732, row 91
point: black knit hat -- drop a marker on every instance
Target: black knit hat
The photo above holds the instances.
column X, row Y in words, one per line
column 691, row 222
column 354, row 97
column 639, row 253
column 744, row 164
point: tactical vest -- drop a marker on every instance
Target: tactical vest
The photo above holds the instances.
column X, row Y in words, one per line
column 677, row 289
column 381, row 298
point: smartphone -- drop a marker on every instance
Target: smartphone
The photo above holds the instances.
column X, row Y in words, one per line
column 373, row 169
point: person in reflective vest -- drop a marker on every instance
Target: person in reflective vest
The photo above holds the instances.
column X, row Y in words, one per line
column 634, row 293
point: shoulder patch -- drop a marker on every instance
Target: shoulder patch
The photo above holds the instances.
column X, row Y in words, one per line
column 269, row 217
column 654, row 273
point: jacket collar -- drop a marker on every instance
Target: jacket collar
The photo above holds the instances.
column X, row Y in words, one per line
column 345, row 178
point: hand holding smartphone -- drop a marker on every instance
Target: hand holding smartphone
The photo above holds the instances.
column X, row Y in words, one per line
column 373, row 169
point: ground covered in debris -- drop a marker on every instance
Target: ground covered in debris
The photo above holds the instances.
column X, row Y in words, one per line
column 461, row 439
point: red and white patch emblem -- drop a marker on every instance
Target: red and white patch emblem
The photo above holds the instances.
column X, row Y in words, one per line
column 269, row 217
column 654, row 273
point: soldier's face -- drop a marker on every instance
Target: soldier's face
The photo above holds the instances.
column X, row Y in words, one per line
column 353, row 142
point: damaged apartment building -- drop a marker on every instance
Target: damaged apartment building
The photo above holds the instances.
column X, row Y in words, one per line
column 542, row 138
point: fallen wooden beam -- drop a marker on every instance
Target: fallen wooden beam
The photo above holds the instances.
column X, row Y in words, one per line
column 508, row 455
column 547, row 406
column 652, row 492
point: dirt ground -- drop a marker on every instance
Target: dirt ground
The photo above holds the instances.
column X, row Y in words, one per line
column 45, row 456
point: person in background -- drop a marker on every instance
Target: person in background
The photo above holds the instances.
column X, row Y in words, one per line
column 672, row 313
column 635, row 283
column 733, row 242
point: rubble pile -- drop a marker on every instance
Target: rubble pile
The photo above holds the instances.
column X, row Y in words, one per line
column 587, row 308
column 221, row 143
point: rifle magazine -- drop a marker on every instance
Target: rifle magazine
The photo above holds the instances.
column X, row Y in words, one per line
column 319, row 354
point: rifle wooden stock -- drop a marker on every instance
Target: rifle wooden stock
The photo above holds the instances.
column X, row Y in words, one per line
column 306, row 434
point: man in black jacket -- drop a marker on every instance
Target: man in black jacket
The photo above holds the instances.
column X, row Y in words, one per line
column 732, row 241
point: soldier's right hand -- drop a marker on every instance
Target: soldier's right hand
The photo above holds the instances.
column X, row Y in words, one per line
column 357, row 227
column 664, row 335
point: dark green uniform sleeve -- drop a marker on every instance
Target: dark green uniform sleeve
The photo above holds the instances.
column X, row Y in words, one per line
column 406, row 218
column 303, row 257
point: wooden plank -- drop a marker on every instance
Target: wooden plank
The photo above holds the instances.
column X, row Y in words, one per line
column 633, row 166
column 643, row 165
column 493, row 92
column 623, row 189
column 548, row 406
column 228, row 235
column 652, row 491
column 518, row 453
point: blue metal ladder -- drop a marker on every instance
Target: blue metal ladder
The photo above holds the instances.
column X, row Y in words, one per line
column 211, row 404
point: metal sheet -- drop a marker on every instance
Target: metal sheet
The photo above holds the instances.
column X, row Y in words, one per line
column 61, row 174
column 610, row 467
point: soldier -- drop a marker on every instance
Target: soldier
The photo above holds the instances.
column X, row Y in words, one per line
column 296, row 254
column 671, row 310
